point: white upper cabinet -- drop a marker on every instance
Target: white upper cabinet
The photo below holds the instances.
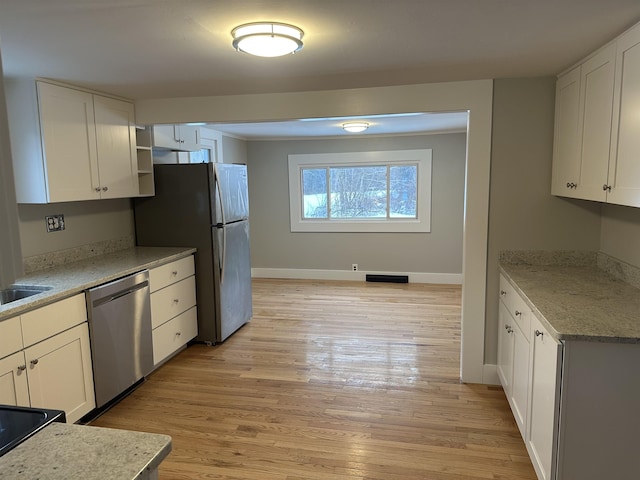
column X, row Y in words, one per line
column 596, row 144
column 596, row 102
column 116, row 141
column 566, row 146
column 69, row 144
column 177, row 137
column 624, row 168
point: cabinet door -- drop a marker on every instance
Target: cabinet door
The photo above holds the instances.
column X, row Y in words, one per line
column 60, row 375
column 624, row 164
column 166, row 136
column 542, row 428
column 520, row 382
column 69, row 143
column 505, row 348
column 596, row 101
column 189, row 137
column 13, row 381
column 566, row 145
column 116, row 144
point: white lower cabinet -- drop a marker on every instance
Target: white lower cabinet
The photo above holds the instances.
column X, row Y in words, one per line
column 51, row 367
column 172, row 335
column 542, row 425
column 59, row 373
column 575, row 402
column 174, row 315
column 14, row 389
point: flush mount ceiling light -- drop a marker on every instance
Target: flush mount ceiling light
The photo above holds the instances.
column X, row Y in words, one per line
column 267, row 39
column 355, row 127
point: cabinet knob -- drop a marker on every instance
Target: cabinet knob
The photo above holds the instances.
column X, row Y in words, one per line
column 97, row 189
column 518, row 313
column 507, row 327
column 502, row 293
column 606, row 188
column 539, row 333
column 34, row 362
column 104, row 189
column 174, row 273
column 571, row 185
column 21, row 368
column 178, row 334
column 510, row 330
column 176, row 300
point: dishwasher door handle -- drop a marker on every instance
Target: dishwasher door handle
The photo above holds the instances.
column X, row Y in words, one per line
column 100, row 301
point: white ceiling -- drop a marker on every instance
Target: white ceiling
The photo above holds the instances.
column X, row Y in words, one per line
column 175, row 48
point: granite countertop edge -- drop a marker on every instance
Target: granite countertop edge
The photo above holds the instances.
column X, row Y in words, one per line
column 64, row 451
column 70, row 279
column 598, row 327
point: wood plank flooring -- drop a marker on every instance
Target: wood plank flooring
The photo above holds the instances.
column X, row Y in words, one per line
column 331, row 380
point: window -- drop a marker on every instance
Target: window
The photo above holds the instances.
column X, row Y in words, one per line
column 361, row 191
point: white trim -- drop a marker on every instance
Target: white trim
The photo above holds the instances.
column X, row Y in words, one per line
column 474, row 96
column 490, row 374
column 420, row 157
column 318, row 274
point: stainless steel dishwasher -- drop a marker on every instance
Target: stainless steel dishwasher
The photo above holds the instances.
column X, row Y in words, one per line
column 120, row 332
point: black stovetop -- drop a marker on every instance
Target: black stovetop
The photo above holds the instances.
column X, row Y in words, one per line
column 19, row 423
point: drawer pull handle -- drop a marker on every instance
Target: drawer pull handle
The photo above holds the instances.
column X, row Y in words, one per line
column 174, row 273
column 22, row 368
column 176, row 300
column 34, row 362
column 539, row 333
column 606, row 188
column 178, row 334
column 518, row 313
column 502, row 293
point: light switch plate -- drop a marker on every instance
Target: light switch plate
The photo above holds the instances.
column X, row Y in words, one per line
column 55, row 223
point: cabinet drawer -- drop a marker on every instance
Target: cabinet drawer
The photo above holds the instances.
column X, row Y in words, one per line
column 521, row 314
column 506, row 293
column 55, row 318
column 175, row 333
column 10, row 336
column 171, row 301
column 164, row 275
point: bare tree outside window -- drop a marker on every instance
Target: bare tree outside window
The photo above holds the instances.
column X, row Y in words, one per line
column 360, row 192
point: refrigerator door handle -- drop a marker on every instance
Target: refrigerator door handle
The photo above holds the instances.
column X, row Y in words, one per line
column 219, row 193
column 224, row 255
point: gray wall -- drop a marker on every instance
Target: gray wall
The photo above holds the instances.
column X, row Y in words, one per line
column 620, row 236
column 523, row 215
column 273, row 245
column 85, row 223
column 234, row 150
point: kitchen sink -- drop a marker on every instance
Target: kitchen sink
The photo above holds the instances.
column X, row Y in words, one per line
column 18, row 292
column 19, row 423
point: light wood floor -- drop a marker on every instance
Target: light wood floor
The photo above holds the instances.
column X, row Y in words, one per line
column 331, row 381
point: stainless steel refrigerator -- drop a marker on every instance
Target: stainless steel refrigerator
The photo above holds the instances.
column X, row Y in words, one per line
column 205, row 206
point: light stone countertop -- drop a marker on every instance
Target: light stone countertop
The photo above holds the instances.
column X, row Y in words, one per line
column 579, row 302
column 69, row 279
column 64, row 451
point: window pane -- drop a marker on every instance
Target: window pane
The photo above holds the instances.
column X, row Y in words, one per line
column 403, row 188
column 314, row 191
column 358, row 192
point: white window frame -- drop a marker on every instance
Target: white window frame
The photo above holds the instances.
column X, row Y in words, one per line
column 422, row 223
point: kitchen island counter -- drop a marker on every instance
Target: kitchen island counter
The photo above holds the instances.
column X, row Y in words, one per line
column 69, row 279
column 67, row 452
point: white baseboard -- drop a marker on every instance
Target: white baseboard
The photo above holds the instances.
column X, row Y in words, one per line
column 311, row 274
column 490, row 374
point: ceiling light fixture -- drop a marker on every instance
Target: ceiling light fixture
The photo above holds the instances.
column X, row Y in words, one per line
column 267, row 39
column 355, row 127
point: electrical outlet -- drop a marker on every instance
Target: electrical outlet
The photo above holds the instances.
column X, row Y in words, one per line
column 55, row 223
column 354, row 267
